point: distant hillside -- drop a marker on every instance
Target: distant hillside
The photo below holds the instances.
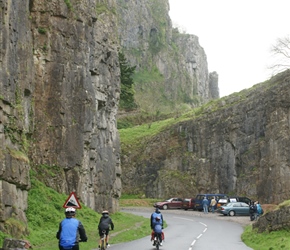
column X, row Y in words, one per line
column 238, row 144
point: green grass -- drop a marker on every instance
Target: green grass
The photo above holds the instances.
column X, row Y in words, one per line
column 275, row 240
column 132, row 135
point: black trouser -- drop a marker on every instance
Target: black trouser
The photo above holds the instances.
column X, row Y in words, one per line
column 159, row 236
column 75, row 247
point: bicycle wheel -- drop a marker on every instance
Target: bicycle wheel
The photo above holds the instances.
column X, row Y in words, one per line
column 157, row 245
column 103, row 245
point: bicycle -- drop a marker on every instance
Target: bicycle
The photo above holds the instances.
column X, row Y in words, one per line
column 103, row 240
column 156, row 241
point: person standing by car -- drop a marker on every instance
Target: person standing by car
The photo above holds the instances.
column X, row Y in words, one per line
column 205, row 204
column 259, row 209
column 104, row 225
column 253, row 211
column 153, row 217
column 212, row 204
column 69, row 230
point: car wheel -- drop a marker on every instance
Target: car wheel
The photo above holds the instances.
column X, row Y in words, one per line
column 165, row 207
column 232, row 213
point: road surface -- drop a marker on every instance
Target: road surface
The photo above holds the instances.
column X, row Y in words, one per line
column 190, row 231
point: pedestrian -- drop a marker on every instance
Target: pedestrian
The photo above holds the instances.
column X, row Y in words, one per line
column 252, row 210
column 205, row 204
column 70, row 229
column 259, row 209
column 213, row 204
column 153, row 217
column 104, row 225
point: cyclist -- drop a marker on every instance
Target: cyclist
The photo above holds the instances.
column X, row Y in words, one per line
column 104, row 225
column 157, row 230
column 69, row 229
column 157, row 213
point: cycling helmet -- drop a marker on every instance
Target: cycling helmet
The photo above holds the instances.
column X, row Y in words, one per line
column 70, row 210
column 105, row 212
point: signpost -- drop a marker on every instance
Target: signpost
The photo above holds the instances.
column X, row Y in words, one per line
column 72, row 201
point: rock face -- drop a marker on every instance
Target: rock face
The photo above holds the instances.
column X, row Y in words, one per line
column 237, row 145
column 172, row 66
column 274, row 221
column 59, row 94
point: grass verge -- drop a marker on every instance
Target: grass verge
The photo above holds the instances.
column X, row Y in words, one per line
column 45, row 212
column 276, row 240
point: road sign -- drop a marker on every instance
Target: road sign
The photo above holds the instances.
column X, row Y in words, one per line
column 72, row 201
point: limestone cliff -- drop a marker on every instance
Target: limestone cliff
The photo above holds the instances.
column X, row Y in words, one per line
column 59, row 94
column 172, row 67
column 237, row 145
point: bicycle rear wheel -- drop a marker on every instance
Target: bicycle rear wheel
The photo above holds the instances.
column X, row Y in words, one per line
column 157, row 245
column 103, row 245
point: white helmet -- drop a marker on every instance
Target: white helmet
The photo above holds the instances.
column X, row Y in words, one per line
column 70, row 210
column 105, row 212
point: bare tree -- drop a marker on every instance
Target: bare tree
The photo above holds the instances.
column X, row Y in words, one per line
column 281, row 55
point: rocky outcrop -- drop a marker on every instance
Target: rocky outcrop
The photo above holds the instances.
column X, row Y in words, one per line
column 171, row 66
column 273, row 221
column 213, row 85
column 60, row 90
column 238, row 145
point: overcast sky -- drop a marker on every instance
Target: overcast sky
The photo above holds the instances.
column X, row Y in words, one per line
column 236, row 35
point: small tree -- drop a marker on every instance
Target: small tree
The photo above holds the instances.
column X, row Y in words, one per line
column 127, row 100
column 281, row 54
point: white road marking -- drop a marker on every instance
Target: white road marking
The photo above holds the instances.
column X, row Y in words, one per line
column 183, row 218
column 204, row 230
column 199, row 236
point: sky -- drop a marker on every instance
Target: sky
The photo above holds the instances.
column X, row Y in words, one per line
column 237, row 36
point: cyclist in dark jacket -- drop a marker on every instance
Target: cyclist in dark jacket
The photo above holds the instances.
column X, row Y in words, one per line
column 70, row 229
column 104, row 225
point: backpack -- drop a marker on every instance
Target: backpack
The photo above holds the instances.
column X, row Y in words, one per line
column 158, row 228
column 154, row 215
column 259, row 209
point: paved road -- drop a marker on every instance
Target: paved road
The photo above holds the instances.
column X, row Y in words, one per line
column 191, row 231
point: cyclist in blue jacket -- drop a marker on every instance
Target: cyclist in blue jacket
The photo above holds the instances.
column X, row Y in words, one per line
column 70, row 230
column 157, row 230
column 157, row 213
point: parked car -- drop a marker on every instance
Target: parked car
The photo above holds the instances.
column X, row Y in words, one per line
column 188, row 203
column 235, row 208
column 170, row 203
column 199, row 198
column 222, row 202
column 240, row 199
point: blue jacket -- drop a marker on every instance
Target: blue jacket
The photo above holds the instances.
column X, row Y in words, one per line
column 205, row 202
column 153, row 218
column 68, row 232
column 157, row 227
